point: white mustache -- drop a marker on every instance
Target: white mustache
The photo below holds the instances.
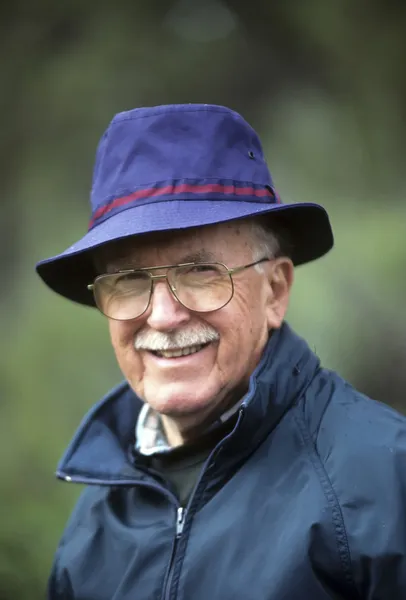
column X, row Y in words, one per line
column 183, row 338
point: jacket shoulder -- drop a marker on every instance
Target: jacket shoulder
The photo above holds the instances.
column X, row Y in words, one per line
column 344, row 421
column 330, row 403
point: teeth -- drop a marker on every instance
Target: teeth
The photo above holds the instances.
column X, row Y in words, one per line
column 180, row 352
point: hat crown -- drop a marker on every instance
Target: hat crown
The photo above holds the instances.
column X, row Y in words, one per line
column 146, row 147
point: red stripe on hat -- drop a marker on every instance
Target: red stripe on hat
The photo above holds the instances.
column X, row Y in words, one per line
column 182, row 188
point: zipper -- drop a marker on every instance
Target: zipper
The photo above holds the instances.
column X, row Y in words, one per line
column 180, row 521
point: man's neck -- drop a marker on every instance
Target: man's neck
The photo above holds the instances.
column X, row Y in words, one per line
column 180, row 433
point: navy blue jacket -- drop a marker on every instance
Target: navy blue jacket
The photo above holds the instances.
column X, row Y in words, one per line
column 304, row 500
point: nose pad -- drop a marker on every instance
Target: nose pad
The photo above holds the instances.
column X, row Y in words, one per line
column 171, row 289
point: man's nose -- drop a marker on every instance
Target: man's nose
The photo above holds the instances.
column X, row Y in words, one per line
column 165, row 311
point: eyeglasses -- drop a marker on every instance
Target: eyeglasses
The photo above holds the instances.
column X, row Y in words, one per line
column 200, row 287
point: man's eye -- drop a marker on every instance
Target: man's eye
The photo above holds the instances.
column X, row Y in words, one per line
column 130, row 279
column 203, row 269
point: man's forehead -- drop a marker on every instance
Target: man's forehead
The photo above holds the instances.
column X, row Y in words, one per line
column 199, row 244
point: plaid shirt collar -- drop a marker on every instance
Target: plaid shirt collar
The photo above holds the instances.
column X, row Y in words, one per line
column 150, row 435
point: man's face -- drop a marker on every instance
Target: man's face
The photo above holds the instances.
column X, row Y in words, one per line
column 190, row 388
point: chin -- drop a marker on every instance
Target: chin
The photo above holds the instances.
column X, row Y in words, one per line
column 179, row 400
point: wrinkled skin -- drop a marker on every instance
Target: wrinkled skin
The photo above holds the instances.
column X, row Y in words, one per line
column 191, row 391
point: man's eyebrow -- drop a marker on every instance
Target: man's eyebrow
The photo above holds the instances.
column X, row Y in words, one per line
column 121, row 265
column 198, row 256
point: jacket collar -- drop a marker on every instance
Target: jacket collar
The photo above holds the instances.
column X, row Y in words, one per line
column 101, row 450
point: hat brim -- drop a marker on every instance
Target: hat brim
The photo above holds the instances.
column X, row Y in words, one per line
column 70, row 272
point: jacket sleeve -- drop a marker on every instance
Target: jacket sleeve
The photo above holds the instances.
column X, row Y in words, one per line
column 362, row 445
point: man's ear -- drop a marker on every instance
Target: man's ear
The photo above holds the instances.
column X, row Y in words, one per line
column 280, row 280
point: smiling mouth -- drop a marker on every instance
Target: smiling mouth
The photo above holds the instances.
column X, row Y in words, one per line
column 179, row 352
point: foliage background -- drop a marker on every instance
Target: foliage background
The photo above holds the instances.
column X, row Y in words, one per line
column 324, row 83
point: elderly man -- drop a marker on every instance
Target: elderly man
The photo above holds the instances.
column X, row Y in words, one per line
column 229, row 465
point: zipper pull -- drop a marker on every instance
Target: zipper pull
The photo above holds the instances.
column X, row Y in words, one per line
column 180, row 521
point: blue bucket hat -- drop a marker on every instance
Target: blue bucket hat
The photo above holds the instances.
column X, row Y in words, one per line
column 174, row 167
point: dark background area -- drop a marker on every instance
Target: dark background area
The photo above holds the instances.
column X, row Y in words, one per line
column 323, row 82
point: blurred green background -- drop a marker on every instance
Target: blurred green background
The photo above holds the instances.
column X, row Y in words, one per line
column 323, row 82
